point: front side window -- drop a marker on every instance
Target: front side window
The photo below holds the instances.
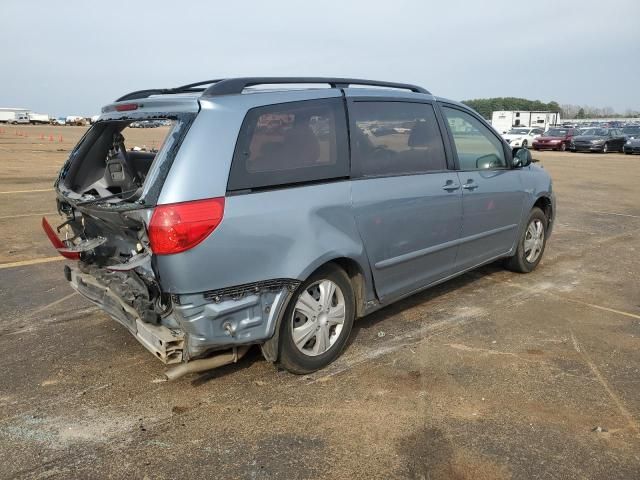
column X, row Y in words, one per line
column 291, row 143
column 478, row 148
column 395, row 138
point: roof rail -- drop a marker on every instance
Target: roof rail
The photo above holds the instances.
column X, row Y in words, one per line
column 228, row 86
column 237, row 85
column 191, row 87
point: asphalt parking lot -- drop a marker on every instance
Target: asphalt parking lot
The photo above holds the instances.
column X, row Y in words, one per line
column 494, row 375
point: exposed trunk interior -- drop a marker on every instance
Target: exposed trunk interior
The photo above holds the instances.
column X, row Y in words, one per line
column 115, row 157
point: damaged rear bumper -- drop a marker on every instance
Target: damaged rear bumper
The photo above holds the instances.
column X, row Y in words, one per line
column 167, row 344
column 246, row 314
column 197, row 324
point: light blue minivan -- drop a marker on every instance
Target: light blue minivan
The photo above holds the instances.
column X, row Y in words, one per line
column 278, row 210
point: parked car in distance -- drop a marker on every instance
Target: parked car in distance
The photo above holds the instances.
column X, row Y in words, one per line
column 277, row 218
column 632, row 146
column 59, row 121
column 631, row 131
column 556, row 138
column 603, row 140
column 522, row 136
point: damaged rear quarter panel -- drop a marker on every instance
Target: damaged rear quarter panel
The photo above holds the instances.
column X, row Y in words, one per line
column 285, row 233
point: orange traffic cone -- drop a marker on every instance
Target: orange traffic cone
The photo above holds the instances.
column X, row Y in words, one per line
column 51, row 138
column 60, row 138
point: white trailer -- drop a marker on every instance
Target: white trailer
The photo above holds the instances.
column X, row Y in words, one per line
column 505, row 120
column 35, row 118
column 9, row 115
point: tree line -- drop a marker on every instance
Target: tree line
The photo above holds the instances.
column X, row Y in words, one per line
column 485, row 107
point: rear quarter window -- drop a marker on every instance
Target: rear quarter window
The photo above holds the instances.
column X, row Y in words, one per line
column 291, row 143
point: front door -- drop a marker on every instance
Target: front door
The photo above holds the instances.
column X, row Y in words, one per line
column 407, row 204
column 492, row 192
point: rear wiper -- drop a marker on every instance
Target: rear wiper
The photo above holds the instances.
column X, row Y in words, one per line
column 109, row 197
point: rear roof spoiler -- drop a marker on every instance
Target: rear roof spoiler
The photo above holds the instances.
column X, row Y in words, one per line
column 229, row 86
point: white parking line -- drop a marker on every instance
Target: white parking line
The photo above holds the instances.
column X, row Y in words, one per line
column 534, row 289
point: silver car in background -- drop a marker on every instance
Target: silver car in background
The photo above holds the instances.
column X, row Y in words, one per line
column 276, row 217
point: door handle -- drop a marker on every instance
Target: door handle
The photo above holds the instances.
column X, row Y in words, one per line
column 450, row 186
column 470, row 185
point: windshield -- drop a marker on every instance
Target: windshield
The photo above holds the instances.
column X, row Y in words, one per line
column 556, row 132
column 600, row 132
column 518, row 131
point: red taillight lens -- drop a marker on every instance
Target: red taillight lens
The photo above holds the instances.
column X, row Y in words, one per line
column 125, row 107
column 177, row 227
column 57, row 243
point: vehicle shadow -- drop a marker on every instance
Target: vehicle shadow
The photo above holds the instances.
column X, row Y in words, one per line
column 430, row 294
column 370, row 321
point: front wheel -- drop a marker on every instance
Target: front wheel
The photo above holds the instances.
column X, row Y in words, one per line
column 605, row 148
column 531, row 244
column 317, row 322
column 563, row 147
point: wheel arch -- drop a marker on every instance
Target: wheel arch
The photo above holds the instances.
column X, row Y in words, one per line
column 360, row 277
column 361, row 282
column 545, row 204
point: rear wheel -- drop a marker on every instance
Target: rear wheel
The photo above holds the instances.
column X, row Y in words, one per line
column 317, row 322
column 563, row 147
column 531, row 244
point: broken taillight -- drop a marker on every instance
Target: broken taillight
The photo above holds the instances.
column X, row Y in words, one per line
column 57, row 243
column 177, row 227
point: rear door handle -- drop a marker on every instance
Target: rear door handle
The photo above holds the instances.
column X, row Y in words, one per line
column 450, row 186
column 470, row 185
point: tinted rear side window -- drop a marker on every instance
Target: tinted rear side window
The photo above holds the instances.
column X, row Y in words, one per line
column 291, row 143
column 393, row 138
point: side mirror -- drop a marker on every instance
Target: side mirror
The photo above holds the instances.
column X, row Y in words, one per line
column 522, row 158
column 487, row 162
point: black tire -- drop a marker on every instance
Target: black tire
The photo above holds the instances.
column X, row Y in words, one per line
column 290, row 357
column 524, row 144
column 518, row 262
column 605, row 148
column 563, row 147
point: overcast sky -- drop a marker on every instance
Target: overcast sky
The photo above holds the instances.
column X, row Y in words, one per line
column 71, row 57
